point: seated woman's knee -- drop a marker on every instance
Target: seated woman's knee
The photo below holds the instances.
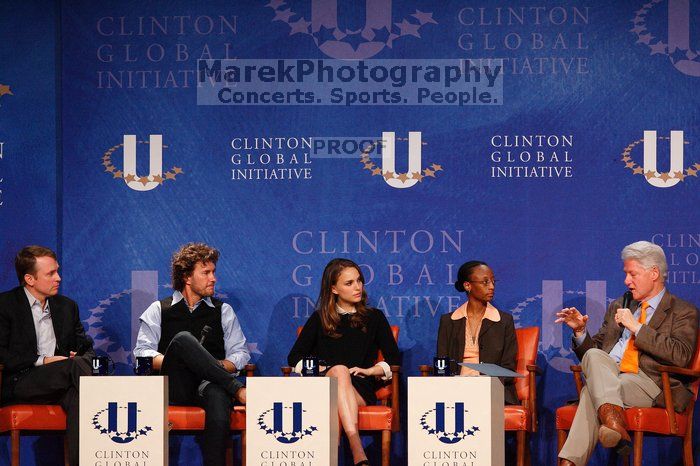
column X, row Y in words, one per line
column 339, row 371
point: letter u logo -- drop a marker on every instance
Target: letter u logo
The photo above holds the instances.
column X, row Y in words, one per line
column 155, row 162
column 95, row 365
column 679, row 35
column 377, row 16
column 414, row 158
column 309, row 364
column 441, row 364
column 650, row 158
column 278, row 422
column 113, row 417
column 458, row 422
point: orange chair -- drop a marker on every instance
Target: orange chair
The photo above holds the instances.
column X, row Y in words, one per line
column 383, row 417
column 30, row 418
column 655, row 421
column 522, row 418
column 186, row 419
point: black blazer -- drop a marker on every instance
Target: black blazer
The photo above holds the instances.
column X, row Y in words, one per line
column 18, row 345
column 497, row 345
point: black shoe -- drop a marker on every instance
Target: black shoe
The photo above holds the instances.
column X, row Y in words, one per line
column 623, row 448
column 363, row 463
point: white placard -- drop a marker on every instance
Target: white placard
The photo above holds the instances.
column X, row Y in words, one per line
column 455, row 420
column 292, row 420
column 123, row 420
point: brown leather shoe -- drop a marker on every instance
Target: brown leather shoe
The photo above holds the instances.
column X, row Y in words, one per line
column 613, row 428
column 565, row 462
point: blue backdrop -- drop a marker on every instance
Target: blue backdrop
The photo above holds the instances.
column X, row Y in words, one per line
column 547, row 184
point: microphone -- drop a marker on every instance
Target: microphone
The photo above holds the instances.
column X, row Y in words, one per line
column 203, row 335
column 626, row 301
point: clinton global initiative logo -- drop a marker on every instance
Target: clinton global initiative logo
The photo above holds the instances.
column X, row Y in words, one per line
column 107, row 422
column 272, row 422
column 674, row 144
column 650, row 24
column 447, row 423
column 379, row 30
column 400, row 180
column 128, row 173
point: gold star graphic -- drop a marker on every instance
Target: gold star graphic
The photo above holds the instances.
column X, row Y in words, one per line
column 680, row 175
column 158, row 179
column 649, row 174
column 177, row 170
column 117, row 174
column 403, row 177
column 110, row 169
column 376, row 171
column 638, row 171
column 664, row 176
column 5, row 89
column 143, row 180
column 626, row 158
column 369, row 166
column 365, row 158
column 388, row 175
column 417, row 176
column 629, row 164
column 106, row 157
column 436, row 167
column 106, row 163
column 691, row 172
column 429, row 172
column 129, row 178
column 169, row 176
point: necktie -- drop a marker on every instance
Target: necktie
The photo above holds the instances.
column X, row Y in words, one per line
column 630, row 358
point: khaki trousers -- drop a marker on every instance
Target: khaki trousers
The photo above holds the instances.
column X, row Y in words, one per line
column 604, row 384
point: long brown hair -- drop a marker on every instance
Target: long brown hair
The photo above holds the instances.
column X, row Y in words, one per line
column 326, row 304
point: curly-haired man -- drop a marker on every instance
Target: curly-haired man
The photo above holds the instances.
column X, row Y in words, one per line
column 197, row 341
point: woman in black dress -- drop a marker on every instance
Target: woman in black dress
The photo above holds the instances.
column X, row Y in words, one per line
column 347, row 335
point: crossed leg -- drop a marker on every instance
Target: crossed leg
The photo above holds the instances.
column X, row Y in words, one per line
column 349, row 402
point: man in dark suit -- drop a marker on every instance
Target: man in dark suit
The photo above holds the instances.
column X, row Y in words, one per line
column 43, row 345
column 621, row 361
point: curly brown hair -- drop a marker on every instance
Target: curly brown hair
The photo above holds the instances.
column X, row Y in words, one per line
column 186, row 258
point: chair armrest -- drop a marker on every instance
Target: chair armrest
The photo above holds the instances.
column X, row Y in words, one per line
column 668, row 401
column 249, row 370
column 680, row 371
column 395, row 375
column 286, row 371
column 578, row 378
column 425, row 370
column 533, row 371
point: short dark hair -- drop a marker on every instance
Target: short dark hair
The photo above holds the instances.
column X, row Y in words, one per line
column 25, row 260
column 465, row 273
column 186, row 258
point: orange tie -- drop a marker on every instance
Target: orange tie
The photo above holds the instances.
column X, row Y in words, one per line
column 630, row 358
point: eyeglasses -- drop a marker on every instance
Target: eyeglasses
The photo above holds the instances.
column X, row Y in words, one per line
column 484, row 282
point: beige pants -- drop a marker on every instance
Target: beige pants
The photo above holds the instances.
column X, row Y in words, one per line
column 604, row 384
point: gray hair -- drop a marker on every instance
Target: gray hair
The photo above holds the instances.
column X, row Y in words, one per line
column 648, row 255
